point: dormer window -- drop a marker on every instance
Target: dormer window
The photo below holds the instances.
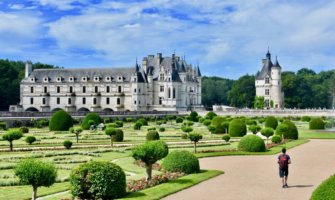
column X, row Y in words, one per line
column 71, row 79
column 59, row 79
column 32, row 79
column 108, row 78
column 84, row 79
column 119, row 78
column 161, row 77
column 96, row 78
column 46, row 79
column 267, row 80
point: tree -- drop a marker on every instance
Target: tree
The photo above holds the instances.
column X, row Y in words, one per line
column 111, row 132
column 36, row 173
column 194, row 137
column 211, row 128
column 259, row 102
column 149, row 153
column 254, row 128
column 77, row 132
column 267, row 132
column 242, row 93
column 30, row 139
column 12, row 135
column 60, row 121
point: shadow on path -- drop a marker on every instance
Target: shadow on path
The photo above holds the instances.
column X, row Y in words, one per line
column 300, row 186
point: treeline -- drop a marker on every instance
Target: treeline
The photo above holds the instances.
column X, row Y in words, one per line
column 11, row 74
column 303, row 89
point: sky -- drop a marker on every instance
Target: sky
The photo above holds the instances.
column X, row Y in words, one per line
column 227, row 38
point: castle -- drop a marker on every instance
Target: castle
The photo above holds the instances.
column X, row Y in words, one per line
column 268, row 83
column 160, row 84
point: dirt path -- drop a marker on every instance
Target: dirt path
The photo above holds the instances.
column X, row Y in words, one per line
column 256, row 177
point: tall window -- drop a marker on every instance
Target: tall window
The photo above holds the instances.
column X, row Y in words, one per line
column 84, row 100
column 161, row 77
column 107, row 100
column 69, row 101
column 31, row 89
column 169, row 93
column 118, row 101
column 267, row 80
column 174, row 93
column 58, row 89
column 43, row 101
column 84, row 89
column 94, row 101
column 160, row 100
column 31, row 100
column 71, row 89
column 58, row 100
column 119, row 89
column 108, row 89
column 45, row 89
column 267, row 92
column 96, row 89
column 161, row 88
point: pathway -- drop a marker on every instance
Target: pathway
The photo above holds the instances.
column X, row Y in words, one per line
column 256, row 177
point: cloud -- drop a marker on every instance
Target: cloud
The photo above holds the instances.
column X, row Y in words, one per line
column 62, row 4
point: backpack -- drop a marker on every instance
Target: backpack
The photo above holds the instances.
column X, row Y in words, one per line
column 283, row 161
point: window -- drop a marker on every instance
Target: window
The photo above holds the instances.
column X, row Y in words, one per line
column 139, row 90
column 108, row 89
column 31, row 89
column 161, row 77
column 267, row 103
column 96, row 89
column 71, row 79
column 119, row 89
column 139, row 102
column 135, row 79
column 46, row 79
column 71, row 89
column 96, row 78
column 58, row 100
column 43, row 101
column 31, row 100
column 267, row 80
column 94, row 101
column 84, row 89
column 161, row 88
column 58, row 89
column 135, row 90
column 108, row 78
column 174, row 93
column 120, row 78
column 59, row 79
column 160, row 100
column 118, row 101
column 45, row 89
column 84, row 79
column 84, row 100
column 135, row 102
column 69, row 101
column 169, row 93
column 267, row 92
column 107, row 100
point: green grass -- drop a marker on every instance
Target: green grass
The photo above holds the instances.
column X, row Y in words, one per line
column 273, row 150
column 174, row 186
column 312, row 134
column 326, row 190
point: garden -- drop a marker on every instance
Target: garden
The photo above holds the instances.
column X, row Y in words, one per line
column 150, row 156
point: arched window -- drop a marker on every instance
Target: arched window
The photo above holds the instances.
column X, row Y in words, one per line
column 118, row 101
column 169, row 93
column 174, row 93
column 94, row 101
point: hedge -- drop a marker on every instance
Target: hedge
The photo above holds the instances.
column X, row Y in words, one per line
column 237, row 128
column 91, row 116
column 152, row 135
column 288, row 130
column 251, row 143
column 118, row 137
column 60, row 121
column 218, row 122
column 271, row 122
column 316, row 124
column 181, row 161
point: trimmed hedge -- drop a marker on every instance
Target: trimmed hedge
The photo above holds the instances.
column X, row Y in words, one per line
column 67, row 144
column 30, row 139
column 152, row 135
column 220, row 124
column 137, row 126
column 251, row 143
column 317, row 124
column 118, row 137
column 237, row 128
column 305, row 118
column 276, row 139
column 91, row 116
column 24, row 129
column 98, row 180
column 161, row 129
column 271, row 122
column 181, row 161
column 226, row 137
column 179, row 120
column 325, row 191
column 288, row 130
column 210, row 115
column 60, row 121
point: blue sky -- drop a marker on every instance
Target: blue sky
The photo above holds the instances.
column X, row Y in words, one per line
column 227, row 38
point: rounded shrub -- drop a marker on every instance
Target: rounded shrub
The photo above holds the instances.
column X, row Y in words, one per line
column 118, row 137
column 60, row 121
column 271, row 122
column 152, row 135
column 305, row 118
column 251, row 122
column 254, row 128
column 210, row 115
column 151, row 129
column 67, row 144
column 193, row 116
column 237, row 128
column 98, row 180
column 288, row 130
column 119, row 123
column 316, row 124
column 181, row 161
column 226, row 137
column 24, row 129
column 267, row 132
column 251, row 143
column 179, row 120
column 30, row 139
column 218, row 122
column 207, row 122
column 186, row 129
column 143, row 121
column 91, row 116
column 276, row 139
column 137, row 126
column 161, row 129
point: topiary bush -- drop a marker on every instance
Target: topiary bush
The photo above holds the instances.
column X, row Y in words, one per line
column 119, row 123
column 152, row 135
column 143, row 121
column 3, row 126
column 271, row 122
column 30, row 139
column 11, row 135
column 186, row 129
column 118, row 137
column 137, row 126
column 207, row 122
column 210, row 115
column 24, row 129
column 316, row 124
column 161, row 129
column 287, row 130
column 276, row 139
column 267, row 132
column 181, row 161
column 254, row 128
column 305, row 118
column 251, row 143
column 60, row 121
column 237, row 128
column 226, row 137
column 193, row 116
column 67, row 144
column 218, row 122
column 91, row 116
column 98, row 180
column 151, row 129
column 179, row 120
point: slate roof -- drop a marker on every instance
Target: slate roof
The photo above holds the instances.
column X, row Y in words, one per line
column 267, row 65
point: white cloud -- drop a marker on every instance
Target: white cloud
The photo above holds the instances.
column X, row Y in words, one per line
column 60, row 4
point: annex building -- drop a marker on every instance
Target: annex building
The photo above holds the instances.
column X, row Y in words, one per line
column 159, row 84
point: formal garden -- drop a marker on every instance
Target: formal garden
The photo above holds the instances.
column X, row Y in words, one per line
column 148, row 158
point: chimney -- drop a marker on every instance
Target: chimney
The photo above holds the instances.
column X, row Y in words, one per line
column 159, row 58
column 29, row 69
column 145, row 64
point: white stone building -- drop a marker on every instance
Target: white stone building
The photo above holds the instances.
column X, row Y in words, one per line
column 268, row 83
column 161, row 83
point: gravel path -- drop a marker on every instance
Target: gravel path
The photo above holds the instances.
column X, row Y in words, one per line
column 256, row 177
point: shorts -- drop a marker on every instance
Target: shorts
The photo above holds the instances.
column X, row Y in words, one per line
column 283, row 172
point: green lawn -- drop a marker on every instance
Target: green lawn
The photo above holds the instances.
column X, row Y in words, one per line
column 326, row 190
column 313, row 134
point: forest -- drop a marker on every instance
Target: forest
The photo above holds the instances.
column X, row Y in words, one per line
column 303, row 89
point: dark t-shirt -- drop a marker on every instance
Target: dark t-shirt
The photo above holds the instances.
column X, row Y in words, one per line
column 283, row 163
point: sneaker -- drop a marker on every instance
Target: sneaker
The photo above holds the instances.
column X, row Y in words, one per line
column 286, row 185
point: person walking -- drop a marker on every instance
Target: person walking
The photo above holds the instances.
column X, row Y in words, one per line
column 284, row 160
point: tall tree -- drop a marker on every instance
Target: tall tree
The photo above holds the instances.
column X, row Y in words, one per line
column 243, row 91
